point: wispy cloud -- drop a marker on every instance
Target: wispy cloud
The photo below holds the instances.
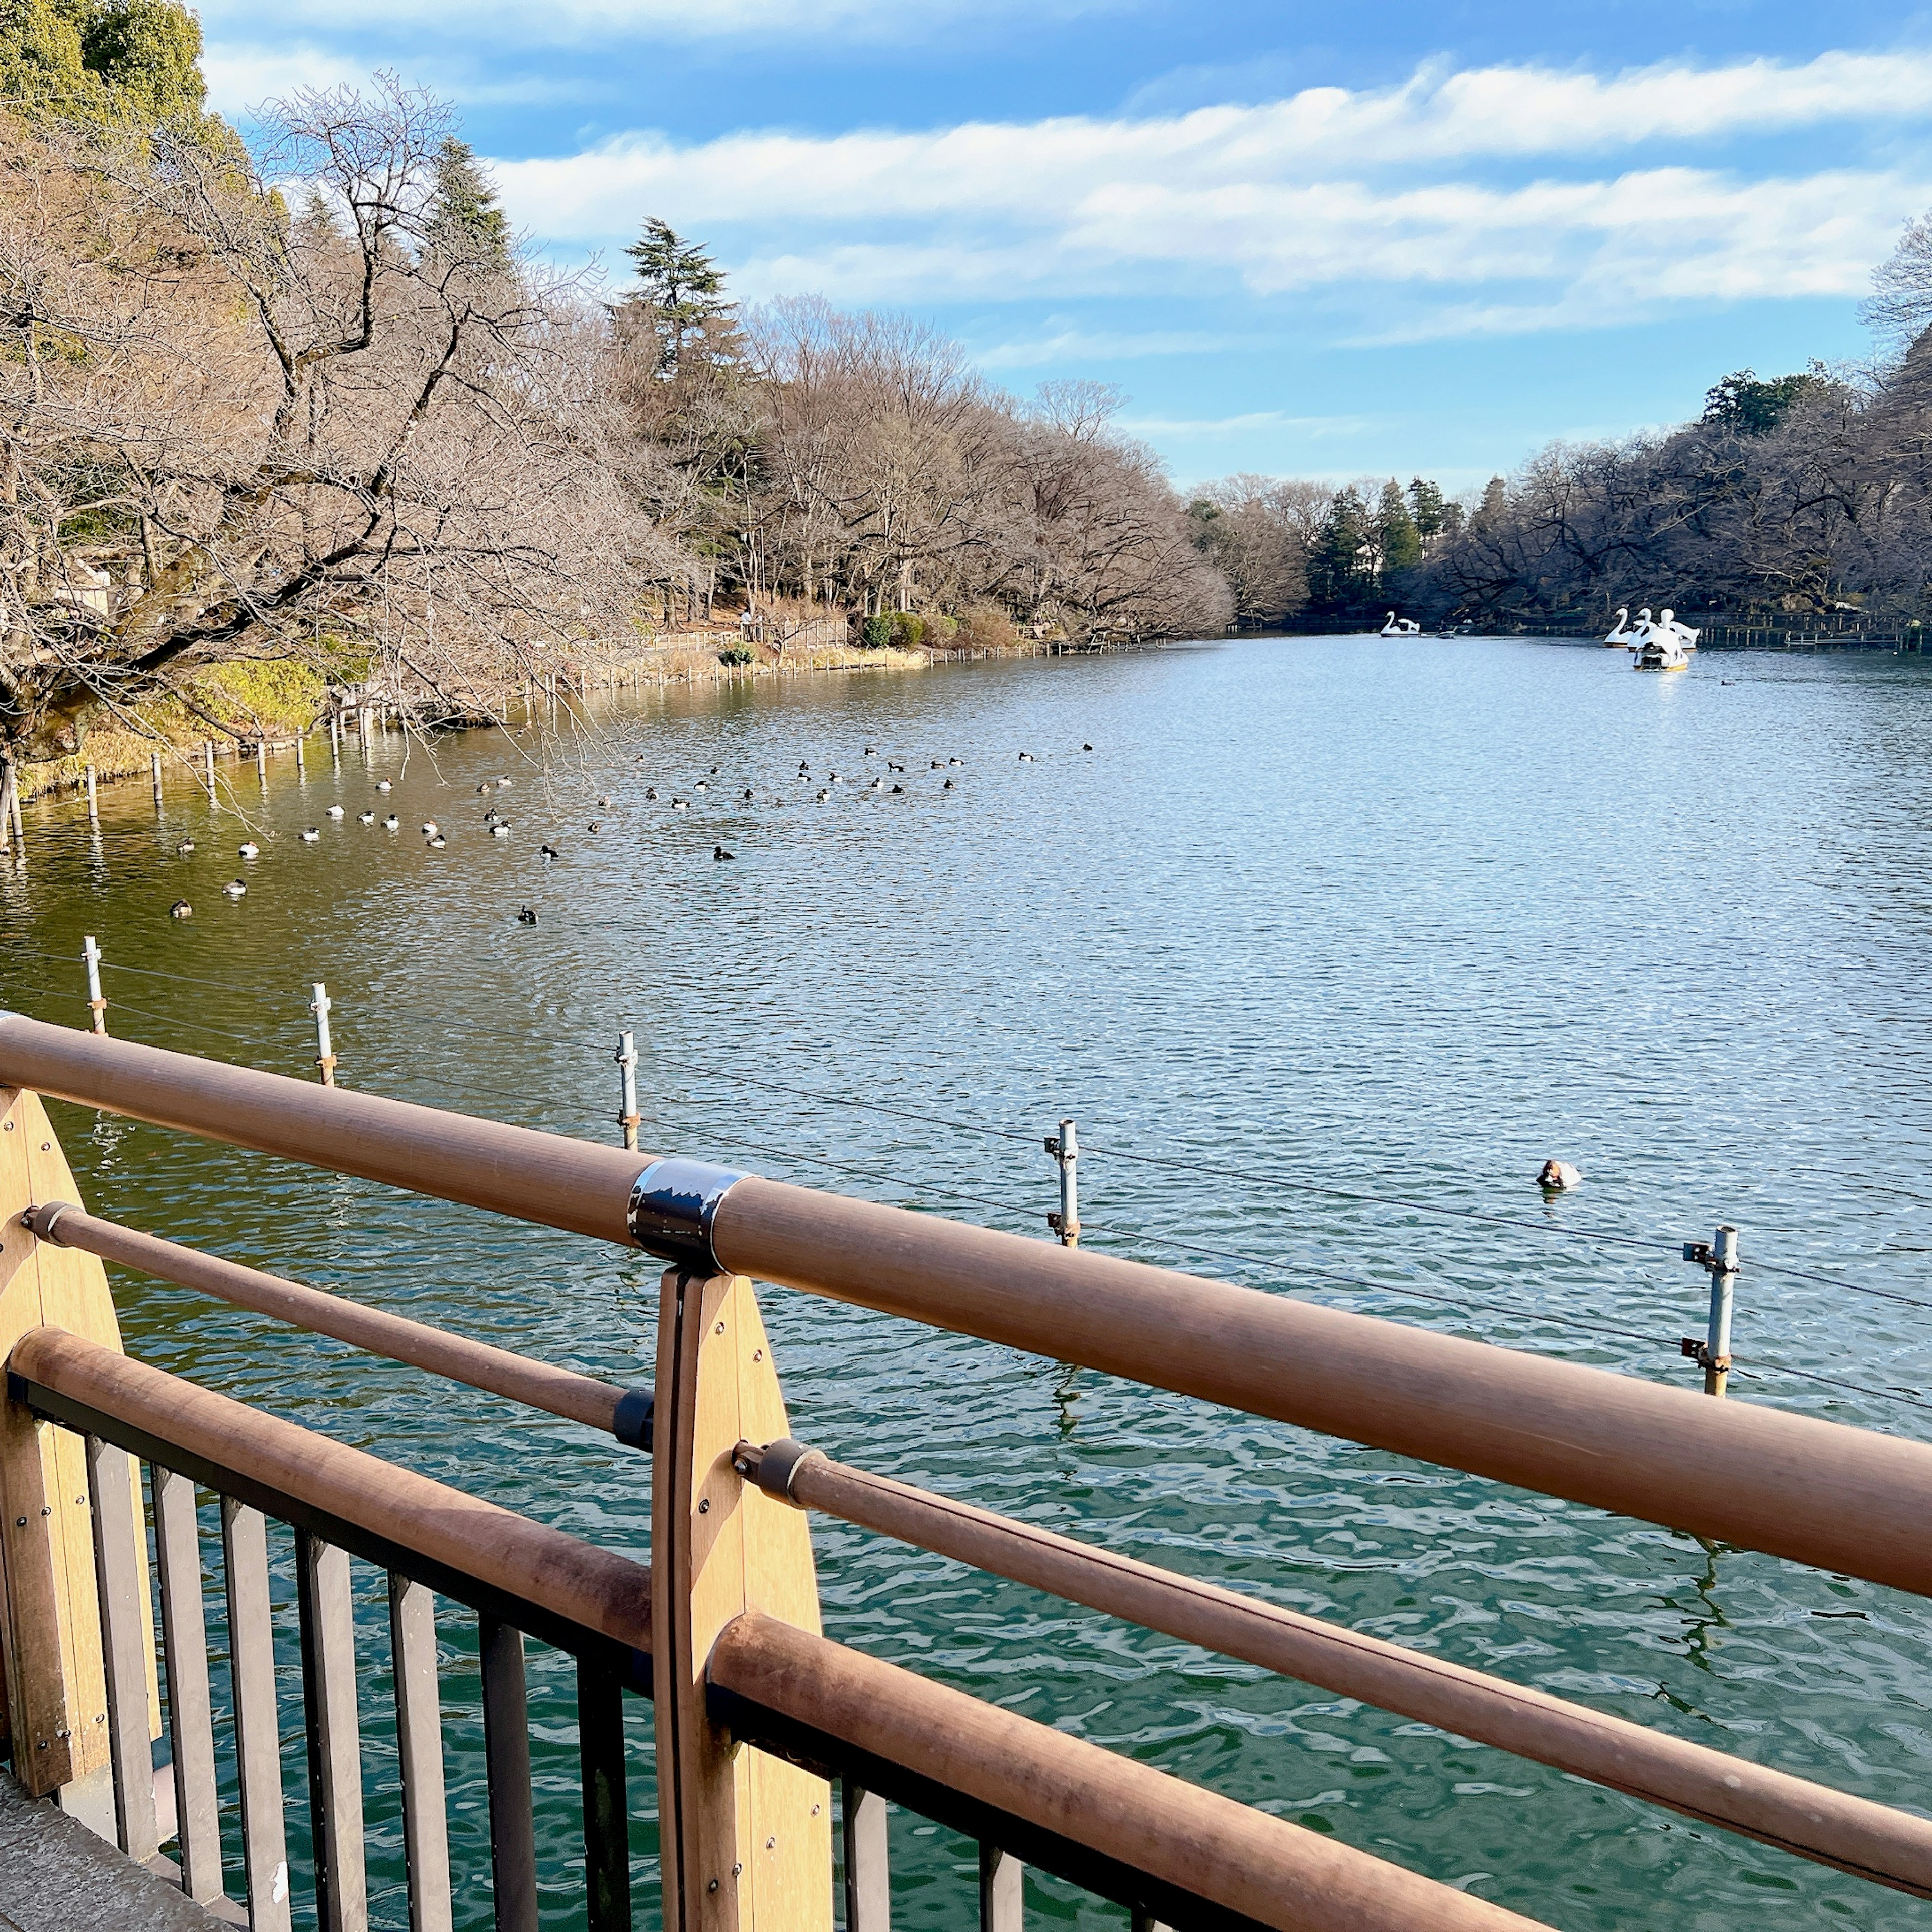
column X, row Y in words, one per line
column 1180, row 429
column 1089, row 345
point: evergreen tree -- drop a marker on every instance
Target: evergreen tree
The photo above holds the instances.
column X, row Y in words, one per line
column 682, row 286
column 1428, row 508
column 1397, row 539
column 1494, row 508
column 117, row 61
column 1743, row 403
column 465, row 223
column 1341, row 561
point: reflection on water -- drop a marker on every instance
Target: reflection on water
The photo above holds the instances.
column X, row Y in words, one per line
column 1402, row 919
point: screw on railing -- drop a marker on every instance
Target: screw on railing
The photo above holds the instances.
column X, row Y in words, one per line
column 325, row 1048
column 90, row 954
column 627, row 1067
column 1065, row 1148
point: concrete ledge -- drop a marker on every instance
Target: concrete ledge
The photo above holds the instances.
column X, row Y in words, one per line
column 55, row 1876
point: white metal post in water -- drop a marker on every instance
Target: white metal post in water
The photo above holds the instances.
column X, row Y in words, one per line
column 154, row 772
column 90, row 954
column 627, row 1067
column 335, row 738
column 1065, row 1148
column 208, row 765
column 1718, row 1336
column 261, row 760
column 93, row 807
column 325, row 1048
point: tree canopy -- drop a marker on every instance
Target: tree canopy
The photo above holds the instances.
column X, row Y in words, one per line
column 124, row 63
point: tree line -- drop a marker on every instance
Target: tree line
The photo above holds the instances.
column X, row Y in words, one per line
column 307, row 401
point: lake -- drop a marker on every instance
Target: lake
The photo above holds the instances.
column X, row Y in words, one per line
column 1394, row 919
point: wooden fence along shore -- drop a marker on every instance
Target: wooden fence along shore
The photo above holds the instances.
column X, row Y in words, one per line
column 778, row 1750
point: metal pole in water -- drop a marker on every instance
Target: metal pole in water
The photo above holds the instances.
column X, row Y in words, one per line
column 6, row 808
column 154, row 770
column 627, row 1066
column 1717, row 1339
column 335, row 738
column 1065, row 1148
column 208, row 765
column 325, row 1048
column 13, row 810
column 302, row 760
column 262, row 759
column 90, row 954
column 93, row 807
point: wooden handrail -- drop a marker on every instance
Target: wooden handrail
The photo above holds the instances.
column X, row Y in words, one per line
column 1872, row 1841
column 1189, row 1841
column 594, row 1589
column 563, row 1392
column 1817, row 1492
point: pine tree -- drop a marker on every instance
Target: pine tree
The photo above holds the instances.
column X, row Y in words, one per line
column 1400, row 545
column 1341, row 571
column 1490, row 512
column 1427, row 506
column 464, row 224
column 680, row 284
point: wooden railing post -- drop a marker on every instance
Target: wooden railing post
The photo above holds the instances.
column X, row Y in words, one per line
column 745, row 1839
column 55, row 1706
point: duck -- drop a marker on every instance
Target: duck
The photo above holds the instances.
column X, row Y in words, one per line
column 934, row 766
column 548, row 850
column 898, row 791
column 1086, row 747
column 715, row 770
column 747, row 793
column 650, row 791
column 703, row 784
column 718, row 852
column 947, row 786
column 392, row 823
column 1028, row 758
column 502, row 784
column 891, row 767
column 1558, row 1174
column 431, row 828
column 333, row 811
column 526, row 915
column 311, row 835
column 248, row 849
column 870, row 752
column 680, row 804
column 604, row 803
column 184, row 847
column 365, row 818
column 962, row 761
column 234, row 889
column 180, row 909
column 382, row 784
column 594, row 825
column 437, row 844
column 878, row 785
column 501, row 830
column 482, row 788
column 819, row 798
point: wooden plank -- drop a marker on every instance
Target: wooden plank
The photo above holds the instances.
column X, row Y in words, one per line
column 419, row 1747
column 607, row 1811
column 506, row 1752
column 745, row 1839
column 191, row 1706
column 334, row 1734
column 119, row 1535
column 1002, row 1890
column 868, row 1884
column 251, row 1650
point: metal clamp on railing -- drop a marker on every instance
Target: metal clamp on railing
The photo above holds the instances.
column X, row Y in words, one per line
column 632, row 1425
column 41, row 1220
column 672, row 1208
column 774, row 1467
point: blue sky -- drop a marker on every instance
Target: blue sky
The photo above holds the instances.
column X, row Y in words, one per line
column 1329, row 241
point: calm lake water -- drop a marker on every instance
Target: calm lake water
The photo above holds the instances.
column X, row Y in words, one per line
column 1398, row 919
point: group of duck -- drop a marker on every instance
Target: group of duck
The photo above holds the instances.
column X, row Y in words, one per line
column 500, row 827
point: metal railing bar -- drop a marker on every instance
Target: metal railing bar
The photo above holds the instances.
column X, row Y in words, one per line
column 419, row 1753
column 118, row 1533
column 1871, row 1840
column 506, row 1752
column 867, row 1859
column 251, row 1653
column 1101, row 1821
column 570, row 1595
column 578, row 1398
column 190, row 1705
column 1002, row 1890
column 334, row 1734
column 607, row 1811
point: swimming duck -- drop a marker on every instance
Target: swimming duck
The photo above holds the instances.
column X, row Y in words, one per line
column 365, row 818
column 180, row 909
column 1558, row 1174
column 680, row 804
column 502, row 784
column 234, row 889
column 870, row 753
column 747, row 791
column 878, row 785
column 185, row 848
column 382, row 784
column 1027, row 758
column 249, row 850
column 650, row 791
column 891, row 767
column 899, row 789
column 604, row 802
column 934, row 766
column 961, row 761
column 526, row 915
column 596, row 825
column 501, row 830
column 703, row 784
column 481, row 789
column 547, row 851
column 311, row 835
column 1086, row 747
column 392, row 823
column 437, row 844
column 947, row 786
column 820, row 797
column 714, row 771
column 431, row 828
column 333, row 811
column 718, row 852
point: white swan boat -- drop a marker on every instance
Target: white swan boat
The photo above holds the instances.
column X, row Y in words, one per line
column 1399, row 627
column 1666, row 645
column 1621, row 632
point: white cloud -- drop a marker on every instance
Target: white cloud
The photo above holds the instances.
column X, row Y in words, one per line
column 1088, row 346
column 241, row 76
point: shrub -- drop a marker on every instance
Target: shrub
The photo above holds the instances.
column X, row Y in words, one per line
column 875, row 633
column 985, row 627
column 738, row 654
column 908, row 630
column 940, row 631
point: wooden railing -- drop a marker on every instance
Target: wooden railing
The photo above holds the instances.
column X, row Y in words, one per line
column 721, row 1630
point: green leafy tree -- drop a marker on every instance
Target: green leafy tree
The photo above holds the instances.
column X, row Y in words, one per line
column 1429, row 508
column 114, row 62
column 681, row 285
column 1341, row 560
column 1492, row 512
column 1398, row 540
column 465, row 223
column 1742, row 403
